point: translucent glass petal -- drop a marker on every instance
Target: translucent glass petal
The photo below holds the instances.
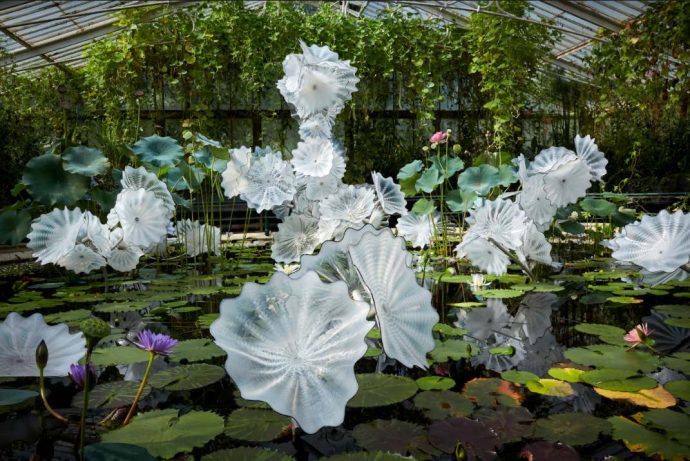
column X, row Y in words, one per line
column 313, row 157
column 390, row 195
column 482, row 323
column 139, row 178
column 499, row 220
column 293, row 344
column 143, row 217
column 551, row 159
column 352, row 203
column 590, row 154
column 567, row 183
column 270, row 182
column 483, row 254
column 418, row 229
column 54, row 234
column 297, row 235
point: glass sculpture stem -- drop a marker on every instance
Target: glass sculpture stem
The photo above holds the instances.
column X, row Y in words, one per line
column 42, row 390
column 133, row 408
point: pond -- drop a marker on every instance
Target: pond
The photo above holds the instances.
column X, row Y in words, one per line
column 517, row 368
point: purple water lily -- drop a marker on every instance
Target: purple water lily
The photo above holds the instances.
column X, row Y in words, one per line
column 78, row 373
column 157, row 343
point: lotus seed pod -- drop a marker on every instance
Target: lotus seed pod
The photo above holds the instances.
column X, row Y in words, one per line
column 41, row 355
column 94, row 329
column 457, row 149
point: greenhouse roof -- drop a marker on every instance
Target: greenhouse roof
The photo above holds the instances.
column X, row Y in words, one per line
column 36, row 34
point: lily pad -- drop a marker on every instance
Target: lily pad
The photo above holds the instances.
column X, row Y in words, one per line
column 639, row 439
column 256, row 425
column 187, row 377
column 571, row 428
column 598, row 207
column 10, row 397
column 387, row 435
column 120, row 355
column 680, row 389
column 435, row 383
column 616, row 379
column 246, row 454
column 538, row 287
column 50, row 184
column 674, row 423
column 607, row 356
column 448, row 330
column 157, row 150
column 599, row 329
column 478, row 441
column 123, row 306
column 14, row 226
column 510, row 424
column 86, row 161
column 650, row 398
column 164, row 433
column 491, row 392
column 376, row 390
column 116, row 452
column 205, row 320
column 366, row 456
column 519, row 377
column 442, row 404
column 551, row 387
column 196, row 350
column 111, row 395
column 499, row 293
column 571, row 375
column 452, row 349
column 70, row 318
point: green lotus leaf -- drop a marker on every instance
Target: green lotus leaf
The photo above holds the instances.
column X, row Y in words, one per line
column 104, row 198
column 116, row 452
column 452, row 349
column 86, row 161
column 448, row 330
column 443, row 404
column 459, row 201
column 506, row 175
column 572, row 375
column 246, row 454
column 196, row 350
column 678, row 363
column 479, row 180
column 377, row 390
column 14, row 226
column 50, row 184
column 164, row 433
column 551, row 387
column 157, row 150
column 410, row 170
column 680, row 311
column 111, row 395
column 571, row 428
column 392, row 436
column 572, row 227
column 206, row 157
column 520, row 377
column 608, row 356
column 594, row 298
column 423, row 207
column 184, row 177
column 448, row 166
column 187, row 377
column 682, row 323
column 598, row 207
column 428, row 181
column 502, row 350
column 638, row 439
column 435, row 383
column 255, row 425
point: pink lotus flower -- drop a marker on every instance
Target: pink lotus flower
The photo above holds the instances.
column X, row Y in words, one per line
column 439, row 137
column 638, row 335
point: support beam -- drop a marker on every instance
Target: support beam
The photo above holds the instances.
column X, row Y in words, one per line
column 586, row 14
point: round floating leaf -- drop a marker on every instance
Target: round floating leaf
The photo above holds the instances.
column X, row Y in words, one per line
column 255, row 425
column 376, row 390
column 551, row 387
column 682, row 323
column 196, row 350
column 547, row 451
column 572, row 227
column 607, row 356
column 491, row 392
column 164, row 434
column 594, row 298
column 650, row 398
column 187, row 377
column 538, row 287
column 448, row 330
column 508, row 351
column 158, row 150
column 86, row 161
column 598, row 207
column 435, row 383
column 246, row 454
column 638, row 439
column 572, row 375
column 10, row 397
column 680, row 389
column 599, row 329
column 441, row 405
column 499, row 293
column 511, row 424
column 452, row 349
column 70, row 318
column 14, row 226
column 479, row 441
column 674, row 423
column 366, row 456
column 373, row 352
column 520, row 377
column 123, row 306
column 116, row 452
column 571, row 428
column 617, row 380
column 111, row 395
column 50, row 184
column 624, row 300
column 121, row 355
column 392, row 436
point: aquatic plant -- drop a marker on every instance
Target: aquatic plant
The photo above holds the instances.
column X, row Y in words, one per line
column 78, row 372
column 198, row 238
column 419, row 228
column 293, row 344
column 640, row 335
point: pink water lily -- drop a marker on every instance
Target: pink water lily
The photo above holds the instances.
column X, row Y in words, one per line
column 439, row 137
column 639, row 335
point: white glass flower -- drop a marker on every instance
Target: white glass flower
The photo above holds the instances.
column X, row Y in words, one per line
column 82, row 259
column 590, row 154
column 483, row 254
column 143, row 217
column 418, row 229
column 19, row 338
column 313, row 157
column 353, row 204
column 293, row 344
column 297, row 235
column 54, row 234
column 123, row 257
column 658, row 243
column 316, row 126
column 534, row 247
column 270, row 182
column 139, row 178
column 234, row 177
column 535, row 203
column 550, row 159
column 499, row 220
column 199, row 238
column 567, row 183
column 390, row 195
column 321, row 187
column 95, row 235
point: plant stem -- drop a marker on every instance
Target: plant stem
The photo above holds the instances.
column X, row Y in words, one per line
column 132, row 409
column 42, row 390
column 85, row 403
